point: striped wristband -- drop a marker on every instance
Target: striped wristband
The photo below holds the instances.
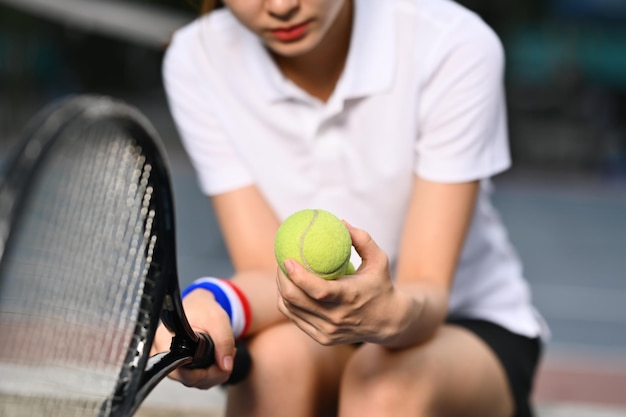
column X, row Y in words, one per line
column 230, row 298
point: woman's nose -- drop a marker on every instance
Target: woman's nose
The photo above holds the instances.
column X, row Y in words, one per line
column 282, row 9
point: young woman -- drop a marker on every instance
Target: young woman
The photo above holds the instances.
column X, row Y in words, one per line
column 391, row 115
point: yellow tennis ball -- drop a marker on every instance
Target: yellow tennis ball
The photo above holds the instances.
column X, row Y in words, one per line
column 318, row 240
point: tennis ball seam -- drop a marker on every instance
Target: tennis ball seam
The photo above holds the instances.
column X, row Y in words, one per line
column 302, row 237
column 305, row 262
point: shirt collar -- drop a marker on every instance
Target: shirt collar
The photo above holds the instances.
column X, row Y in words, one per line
column 369, row 66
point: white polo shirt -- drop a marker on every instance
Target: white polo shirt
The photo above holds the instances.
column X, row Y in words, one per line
column 421, row 93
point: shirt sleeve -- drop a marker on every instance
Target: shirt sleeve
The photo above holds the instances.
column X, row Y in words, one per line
column 462, row 122
column 188, row 89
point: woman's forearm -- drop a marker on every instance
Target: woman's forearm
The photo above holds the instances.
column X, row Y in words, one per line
column 418, row 312
column 259, row 288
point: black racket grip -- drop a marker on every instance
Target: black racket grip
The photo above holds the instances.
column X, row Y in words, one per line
column 205, row 357
column 242, row 364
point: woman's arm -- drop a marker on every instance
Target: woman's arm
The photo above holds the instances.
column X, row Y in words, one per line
column 248, row 226
column 435, row 227
column 368, row 306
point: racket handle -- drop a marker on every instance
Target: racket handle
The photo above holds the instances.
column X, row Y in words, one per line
column 205, row 357
column 241, row 365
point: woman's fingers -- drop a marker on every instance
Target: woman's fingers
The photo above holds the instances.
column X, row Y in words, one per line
column 366, row 247
column 207, row 317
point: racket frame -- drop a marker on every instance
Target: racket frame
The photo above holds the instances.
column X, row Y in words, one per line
column 161, row 297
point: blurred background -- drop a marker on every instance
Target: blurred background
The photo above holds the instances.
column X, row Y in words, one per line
column 564, row 201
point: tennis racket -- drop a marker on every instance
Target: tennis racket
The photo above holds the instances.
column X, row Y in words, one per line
column 88, row 266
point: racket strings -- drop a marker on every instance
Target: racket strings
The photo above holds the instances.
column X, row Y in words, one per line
column 71, row 279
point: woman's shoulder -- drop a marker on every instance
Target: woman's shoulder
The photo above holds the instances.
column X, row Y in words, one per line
column 436, row 31
column 212, row 29
column 445, row 21
column 209, row 41
column 442, row 12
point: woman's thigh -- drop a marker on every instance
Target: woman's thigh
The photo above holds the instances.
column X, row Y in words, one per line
column 292, row 375
column 453, row 374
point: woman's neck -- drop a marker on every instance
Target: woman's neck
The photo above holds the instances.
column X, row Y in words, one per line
column 318, row 71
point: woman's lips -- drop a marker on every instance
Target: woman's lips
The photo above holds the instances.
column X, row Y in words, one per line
column 291, row 33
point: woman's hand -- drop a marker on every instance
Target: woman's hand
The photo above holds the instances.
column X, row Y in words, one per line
column 205, row 315
column 363, row 307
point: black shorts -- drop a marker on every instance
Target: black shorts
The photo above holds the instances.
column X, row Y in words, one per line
column 519, row 356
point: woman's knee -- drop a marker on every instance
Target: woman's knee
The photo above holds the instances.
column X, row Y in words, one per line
column 378, row 381
column 452, row 374
column 278, row 351
column 285, row 360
